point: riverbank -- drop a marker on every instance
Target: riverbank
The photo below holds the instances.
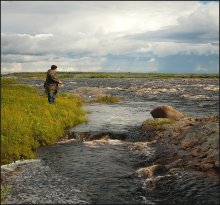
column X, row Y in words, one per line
column 63, row 75
column 191, row 143
column 29, row 121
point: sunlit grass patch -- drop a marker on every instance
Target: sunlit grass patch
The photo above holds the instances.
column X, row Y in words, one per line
column 157, row 123
column 29, row 121
column 107, row 99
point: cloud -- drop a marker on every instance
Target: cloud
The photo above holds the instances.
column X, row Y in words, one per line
column 196, row 32
column 68, row 17
column 200, row 25
column 22, row 58
column 199, row 68
column 101, row 35
column 151, row 60
column 11, row 67
column 26, row 44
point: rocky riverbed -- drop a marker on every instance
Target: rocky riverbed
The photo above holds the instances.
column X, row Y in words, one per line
column 120, row 156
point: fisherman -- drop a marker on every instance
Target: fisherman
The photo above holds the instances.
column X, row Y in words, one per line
column 51, row 84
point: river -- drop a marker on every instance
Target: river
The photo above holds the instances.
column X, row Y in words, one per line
column 104, row 171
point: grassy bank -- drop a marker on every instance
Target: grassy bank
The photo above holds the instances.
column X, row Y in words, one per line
column 63, row 75
column 29, row 121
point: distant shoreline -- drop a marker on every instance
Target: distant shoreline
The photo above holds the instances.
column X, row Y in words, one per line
column 111, row 75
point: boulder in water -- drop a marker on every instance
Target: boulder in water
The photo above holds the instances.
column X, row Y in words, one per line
column 166, row 111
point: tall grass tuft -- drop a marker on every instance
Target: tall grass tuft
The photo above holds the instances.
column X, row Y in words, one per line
column 158, row 122
column 29, row 121
column 106, row 99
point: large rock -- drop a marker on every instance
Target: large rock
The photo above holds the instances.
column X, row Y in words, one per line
column 166, row 111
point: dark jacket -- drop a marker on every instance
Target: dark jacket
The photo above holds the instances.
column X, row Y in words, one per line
column 51, row 83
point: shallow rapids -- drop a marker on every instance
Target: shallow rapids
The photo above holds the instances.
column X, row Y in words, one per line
column 100, row 171
column 104, row 170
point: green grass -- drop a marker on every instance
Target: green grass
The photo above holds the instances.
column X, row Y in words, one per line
column 158, row 123
column 106, row 99
column 63, row 75
column 29, row 121
column 5, row 190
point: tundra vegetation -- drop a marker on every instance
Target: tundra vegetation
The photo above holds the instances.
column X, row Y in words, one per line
column 29, row 121
column 5, row 190
column 63, row 75
column 106, row 99
column 158, row 123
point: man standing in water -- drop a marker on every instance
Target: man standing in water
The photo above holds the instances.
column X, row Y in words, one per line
column 51, row 84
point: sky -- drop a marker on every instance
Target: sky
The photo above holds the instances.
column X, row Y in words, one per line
column 110, row 36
